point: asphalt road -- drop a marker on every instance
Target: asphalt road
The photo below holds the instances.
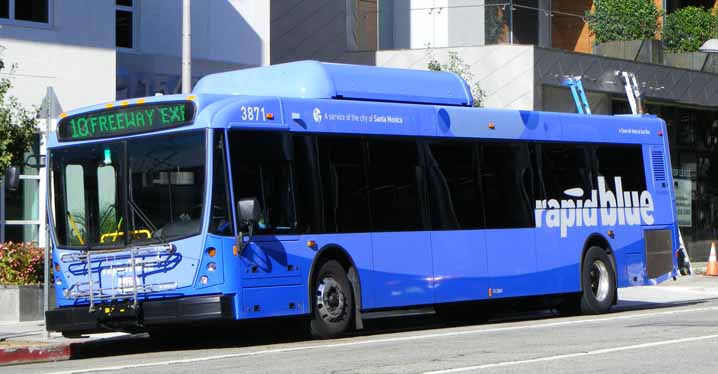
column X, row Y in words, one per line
column 661, row 329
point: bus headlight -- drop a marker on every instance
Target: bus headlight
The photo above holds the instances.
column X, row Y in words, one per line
column 203, row 279
column 211, row 266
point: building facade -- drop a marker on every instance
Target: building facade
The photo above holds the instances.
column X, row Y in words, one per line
column 519, row 51
column 72, row 53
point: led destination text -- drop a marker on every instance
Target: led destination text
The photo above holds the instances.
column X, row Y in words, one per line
column 125, row 120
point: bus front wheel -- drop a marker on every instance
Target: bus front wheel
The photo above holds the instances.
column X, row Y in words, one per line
column 598, row 280
column 333, row 301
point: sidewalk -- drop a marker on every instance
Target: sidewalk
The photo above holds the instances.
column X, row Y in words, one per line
column 24, row 342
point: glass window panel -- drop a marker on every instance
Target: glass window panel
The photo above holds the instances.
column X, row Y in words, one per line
column 123, row 29
column 31, row 10
column 124, row 2
column 452, row 177
column 110, row 215
column 32, row 157
column 508, row 184
column 565, row 166
column 261, row 168
column 307, row 181
column 4, row 8
column 22, row 204
column 344, row 184
column 75, row 187
column 393, row 178
column 220, row 212
column 622, row 161
column 22, row 233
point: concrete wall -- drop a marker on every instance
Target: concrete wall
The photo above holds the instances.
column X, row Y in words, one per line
column 226, row 35
column 75, row 54
column 466, row 22
column 505, row 73
column 308, row 29
column 230, row 31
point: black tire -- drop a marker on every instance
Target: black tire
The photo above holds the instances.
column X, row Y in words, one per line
column 332, row 301
column 598, row 282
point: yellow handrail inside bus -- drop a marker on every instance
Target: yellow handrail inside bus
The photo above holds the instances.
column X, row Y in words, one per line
column 115, row 234
column 74, row 228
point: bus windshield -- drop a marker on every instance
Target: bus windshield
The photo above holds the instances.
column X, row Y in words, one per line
column 115, row 194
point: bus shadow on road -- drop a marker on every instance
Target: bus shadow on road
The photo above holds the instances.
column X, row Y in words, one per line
column 631, row 305
column 282, row 331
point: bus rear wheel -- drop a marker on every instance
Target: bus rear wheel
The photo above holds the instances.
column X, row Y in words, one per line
column 598, row 280
column 333, row 301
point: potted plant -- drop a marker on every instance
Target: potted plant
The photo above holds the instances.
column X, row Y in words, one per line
column 685, row 31
column 21, row 278
column 626, row 29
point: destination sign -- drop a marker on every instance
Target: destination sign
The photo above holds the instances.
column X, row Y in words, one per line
column 126, row 120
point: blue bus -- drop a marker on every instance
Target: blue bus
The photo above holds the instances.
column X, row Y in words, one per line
column 337, row 193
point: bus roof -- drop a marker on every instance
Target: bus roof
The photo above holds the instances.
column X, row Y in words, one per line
column 318, row 80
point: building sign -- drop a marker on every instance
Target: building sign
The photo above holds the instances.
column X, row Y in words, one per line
column 683, row 202
column 125, row 120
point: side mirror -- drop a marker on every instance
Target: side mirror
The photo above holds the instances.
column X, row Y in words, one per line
column 248, row 211
column 12, row 178
column 247, row 217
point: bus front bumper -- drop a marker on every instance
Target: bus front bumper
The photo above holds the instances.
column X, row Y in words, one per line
column 119, row 317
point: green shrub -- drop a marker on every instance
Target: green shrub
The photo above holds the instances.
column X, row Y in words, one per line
column 21, row 263
column 457, row 66
column 17, row 124
column 688, row 28
column 623, row 20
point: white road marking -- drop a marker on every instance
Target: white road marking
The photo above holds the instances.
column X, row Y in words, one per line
column 573, row 355
column 388, row 340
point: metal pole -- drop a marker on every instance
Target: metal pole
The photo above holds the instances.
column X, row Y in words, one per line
column 186, row 47
column 46, row 283
column 511, row 21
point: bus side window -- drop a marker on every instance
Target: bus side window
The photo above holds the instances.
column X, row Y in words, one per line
column 395, row 202
column 344, row 184
column 310, row 213
column 220, row 212
column 508, row 181
column 625, row 161
column 564, row 166
column 261, row 168
column 453, row 186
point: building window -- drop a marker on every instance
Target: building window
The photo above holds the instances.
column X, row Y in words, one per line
column 22, row 206
column 26, row 10
column 124, row 25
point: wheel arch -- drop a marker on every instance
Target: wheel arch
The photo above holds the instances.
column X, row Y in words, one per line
column 337, row 252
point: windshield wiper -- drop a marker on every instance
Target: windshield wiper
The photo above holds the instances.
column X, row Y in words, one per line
column 135, row 209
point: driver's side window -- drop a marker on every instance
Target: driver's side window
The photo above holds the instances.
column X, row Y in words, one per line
column 220, row 212
column 261, row 169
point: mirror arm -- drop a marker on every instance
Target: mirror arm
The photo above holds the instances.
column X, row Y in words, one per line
column 240, row 237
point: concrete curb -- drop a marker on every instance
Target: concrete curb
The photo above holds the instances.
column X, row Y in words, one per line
column 38, row 353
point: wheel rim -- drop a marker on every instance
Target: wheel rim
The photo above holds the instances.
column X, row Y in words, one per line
column 598, row 275
column 330, row 299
